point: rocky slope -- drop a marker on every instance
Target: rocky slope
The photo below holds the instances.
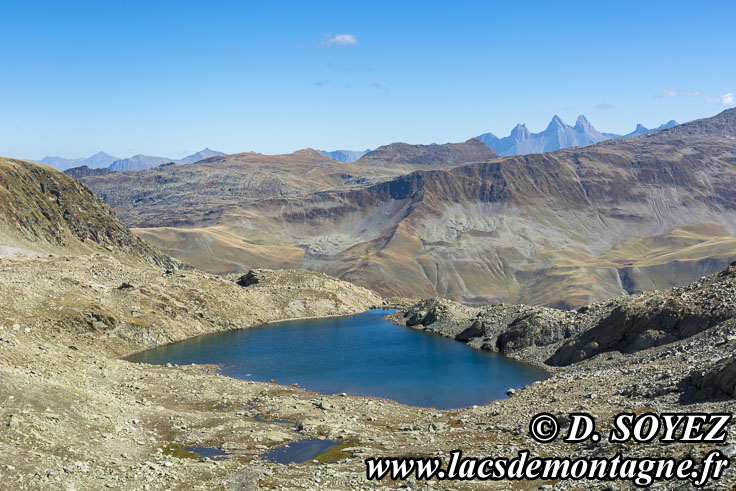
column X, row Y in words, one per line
column 556, row 338
column 674, row 348
column 44, row 211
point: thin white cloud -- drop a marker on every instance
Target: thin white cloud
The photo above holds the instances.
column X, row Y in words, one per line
column 340, row 40
column 725, row 99
column 677, row 93
column 603, row 105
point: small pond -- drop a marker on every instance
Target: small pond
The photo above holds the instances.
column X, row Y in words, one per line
column 298, row 452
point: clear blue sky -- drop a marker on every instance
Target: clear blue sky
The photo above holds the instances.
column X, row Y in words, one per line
column 169, row 78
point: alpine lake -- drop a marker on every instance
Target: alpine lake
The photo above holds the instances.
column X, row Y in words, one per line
column 362, row 355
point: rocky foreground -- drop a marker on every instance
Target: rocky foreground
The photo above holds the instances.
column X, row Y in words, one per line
column 661, row 351
column 76, row 417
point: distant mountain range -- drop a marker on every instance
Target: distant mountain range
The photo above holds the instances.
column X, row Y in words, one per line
column 96, row 161
column 345, row 155
column 101, row 160
column 141, row 162
column 643, row 130
column 556, row 136
column 520, row 141
column 201, row 155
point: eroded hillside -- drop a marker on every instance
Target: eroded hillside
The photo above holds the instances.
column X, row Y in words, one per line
column 564, row 229
column 193, row 195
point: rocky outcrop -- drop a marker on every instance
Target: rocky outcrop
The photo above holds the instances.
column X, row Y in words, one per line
column 655, row 319
column 85, row 171
column 501, row 328
column 635, row 327
column 534, row 329
column 720, row 380
column 698, row 320
column 249, row 279
column 434, row 315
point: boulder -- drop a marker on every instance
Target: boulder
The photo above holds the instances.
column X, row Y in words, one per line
column 248, row 279
column 718, row 381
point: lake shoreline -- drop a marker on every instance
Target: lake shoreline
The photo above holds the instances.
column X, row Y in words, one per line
column 261, row 324
column 361, row 355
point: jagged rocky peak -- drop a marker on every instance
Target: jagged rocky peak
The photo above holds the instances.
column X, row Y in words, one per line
column 582, row 124
column 556, row 135
column 556, row 123
column 520, row 132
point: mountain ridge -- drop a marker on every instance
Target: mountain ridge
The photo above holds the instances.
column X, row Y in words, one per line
column 43, row 210
column 101, row 160
column 556, row 136
column 428, row 156
column 562, row 228
column 152, row 197
column 95, row 161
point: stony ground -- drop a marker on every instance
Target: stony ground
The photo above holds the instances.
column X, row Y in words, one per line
column 76, row 417
column 661, row 351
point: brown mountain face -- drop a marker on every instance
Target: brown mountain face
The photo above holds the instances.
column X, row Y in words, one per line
column 45, row 211
column 186, row 195
column 563, row 228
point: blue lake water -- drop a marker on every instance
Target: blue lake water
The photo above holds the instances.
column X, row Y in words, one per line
column 359, row 355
